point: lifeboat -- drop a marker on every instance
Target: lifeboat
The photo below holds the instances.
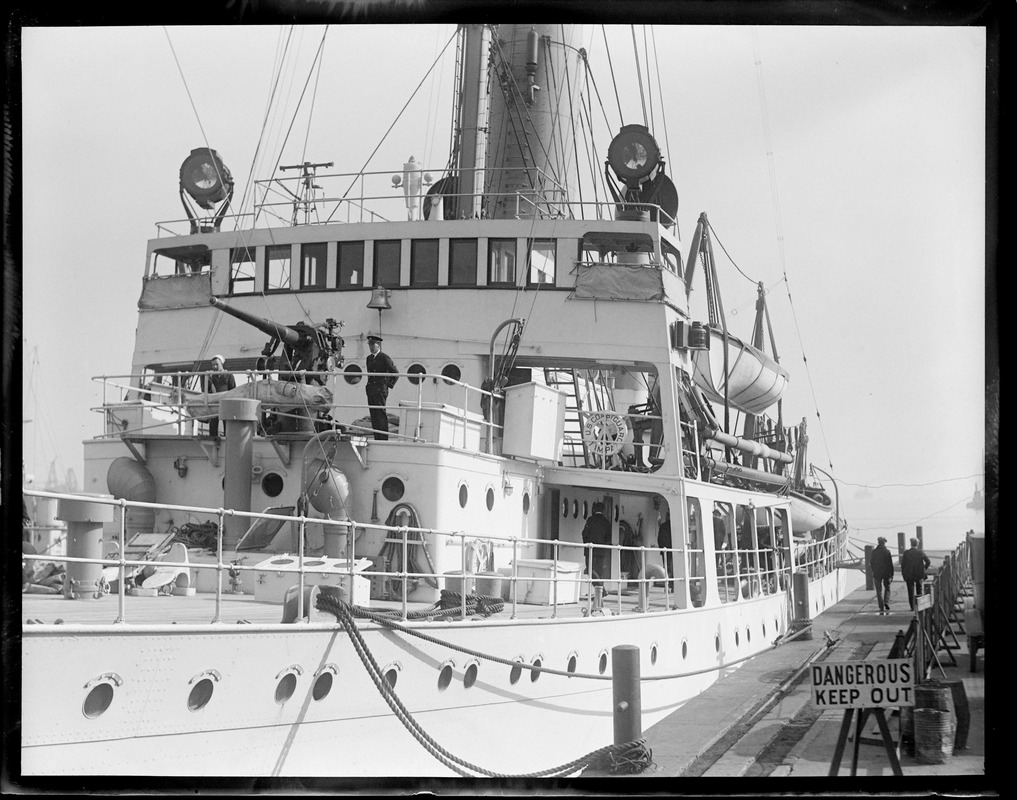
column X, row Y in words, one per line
column 811, row 508
column 755, row 381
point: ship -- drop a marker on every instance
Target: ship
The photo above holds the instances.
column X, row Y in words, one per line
column 301, row 575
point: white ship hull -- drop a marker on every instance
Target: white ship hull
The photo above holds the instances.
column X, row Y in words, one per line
column 149, row 729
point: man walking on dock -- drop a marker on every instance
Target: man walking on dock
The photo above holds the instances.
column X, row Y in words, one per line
column 881, row 564
column 913, row 564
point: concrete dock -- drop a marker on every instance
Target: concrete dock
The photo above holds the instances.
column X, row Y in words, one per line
column 759, row 721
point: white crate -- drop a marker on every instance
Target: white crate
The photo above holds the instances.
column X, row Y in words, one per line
column 541, row 592
column 534, row 421
column 277, row 574
column 441, row 423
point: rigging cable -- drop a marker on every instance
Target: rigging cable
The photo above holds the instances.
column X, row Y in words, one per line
column 390, row 127
column 649, row 92
column 660, row 93
column 639, row 76
column 775, row 199
column 610, row 64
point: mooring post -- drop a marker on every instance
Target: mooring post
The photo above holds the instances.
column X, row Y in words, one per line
column 628, row 724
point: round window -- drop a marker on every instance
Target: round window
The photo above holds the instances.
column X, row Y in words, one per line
column 272, row 484
column 575, row 509
column 353, row 374
column 452, row 373
column 415, row 371
column 526, row 503
column 393, row 488
column 464, row 495
column 564, row 507
column 490, row 499
column 586, row 509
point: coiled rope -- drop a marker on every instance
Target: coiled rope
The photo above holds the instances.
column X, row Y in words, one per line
column 623, row 757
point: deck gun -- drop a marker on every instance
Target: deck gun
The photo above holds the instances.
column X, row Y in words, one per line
column 312, row 348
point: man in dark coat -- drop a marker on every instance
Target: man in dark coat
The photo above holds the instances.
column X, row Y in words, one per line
column 881, row 564
column 664, row 543
column 913, row 564
column 598, row 531
column 378, row 386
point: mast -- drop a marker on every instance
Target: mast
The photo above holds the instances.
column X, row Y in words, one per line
column 472, row 118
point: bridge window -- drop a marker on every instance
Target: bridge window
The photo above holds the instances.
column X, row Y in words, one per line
column 541, row 257
column 501, row 262
column 462, row 262
column 312, row 265
column 350, row 267
column 243, row 269
column 387, row 254
column 277, row 268
column 424, row 262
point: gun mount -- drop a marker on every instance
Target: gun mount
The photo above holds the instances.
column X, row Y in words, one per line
column 314, row 348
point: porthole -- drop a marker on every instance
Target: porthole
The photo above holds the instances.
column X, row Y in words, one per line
column 517, row 670
column 470, row 676
column 685, row 649
column 716, row 642
column 272, row 484
column 452, row 373
column 764, row 630
column 393, row 488
column 616, row 513
column 353, row 374
column 602, row 662
column 575, row 509
column 285, row 688
column 97, row 700
column 535, row 673
column 464, row 495
column 391, row 673
column 281, row 562
column 526, row 503
column 490, row 499
column 322, row 686
column 200, row 694
column 445, row 676
column 564, row 508
column 415, row 371
column 748, row 635
column 653, row 653
column 573, row 661
column 737, row 640
column 586, row 509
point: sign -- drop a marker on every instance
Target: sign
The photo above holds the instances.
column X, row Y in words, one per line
column 923, row 602
column 863, row 684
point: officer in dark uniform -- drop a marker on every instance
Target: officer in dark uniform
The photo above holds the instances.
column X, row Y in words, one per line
column 378, row 386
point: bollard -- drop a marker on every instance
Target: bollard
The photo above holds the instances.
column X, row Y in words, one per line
column 628, row 725
column 800, row 584
column 84, row 520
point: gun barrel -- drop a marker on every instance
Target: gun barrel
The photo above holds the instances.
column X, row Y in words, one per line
column 284, row 333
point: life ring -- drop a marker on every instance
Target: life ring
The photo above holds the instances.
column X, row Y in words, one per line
column 605, row 433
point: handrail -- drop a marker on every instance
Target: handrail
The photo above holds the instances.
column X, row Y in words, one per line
column 465, row 540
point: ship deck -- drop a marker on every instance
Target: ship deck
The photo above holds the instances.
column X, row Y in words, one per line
column 242, row 608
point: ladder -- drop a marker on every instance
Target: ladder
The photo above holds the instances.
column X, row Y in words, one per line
column 585, row 390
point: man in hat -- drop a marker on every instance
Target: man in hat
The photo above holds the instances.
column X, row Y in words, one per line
column 881, row 564
column 382, row 376
column 218, row 380
column 913, row 564
column 598, row 531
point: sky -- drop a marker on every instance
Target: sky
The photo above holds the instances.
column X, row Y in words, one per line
column 842, row 166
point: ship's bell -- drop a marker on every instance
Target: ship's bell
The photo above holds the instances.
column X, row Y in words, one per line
column 379, row 299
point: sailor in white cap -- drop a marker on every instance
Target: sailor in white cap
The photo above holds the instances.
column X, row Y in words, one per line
column 382, row 376
column 218, row 380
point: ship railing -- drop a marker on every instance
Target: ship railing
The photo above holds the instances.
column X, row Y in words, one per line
column 374, row 197
column 122, row 394
column 228, row 564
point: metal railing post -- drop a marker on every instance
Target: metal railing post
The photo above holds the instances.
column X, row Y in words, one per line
column 122, row 589
column 219, row 567
column 406, row 567
column 554, row 579
column 462, row 548
column 515, row 574
column 300, row 566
